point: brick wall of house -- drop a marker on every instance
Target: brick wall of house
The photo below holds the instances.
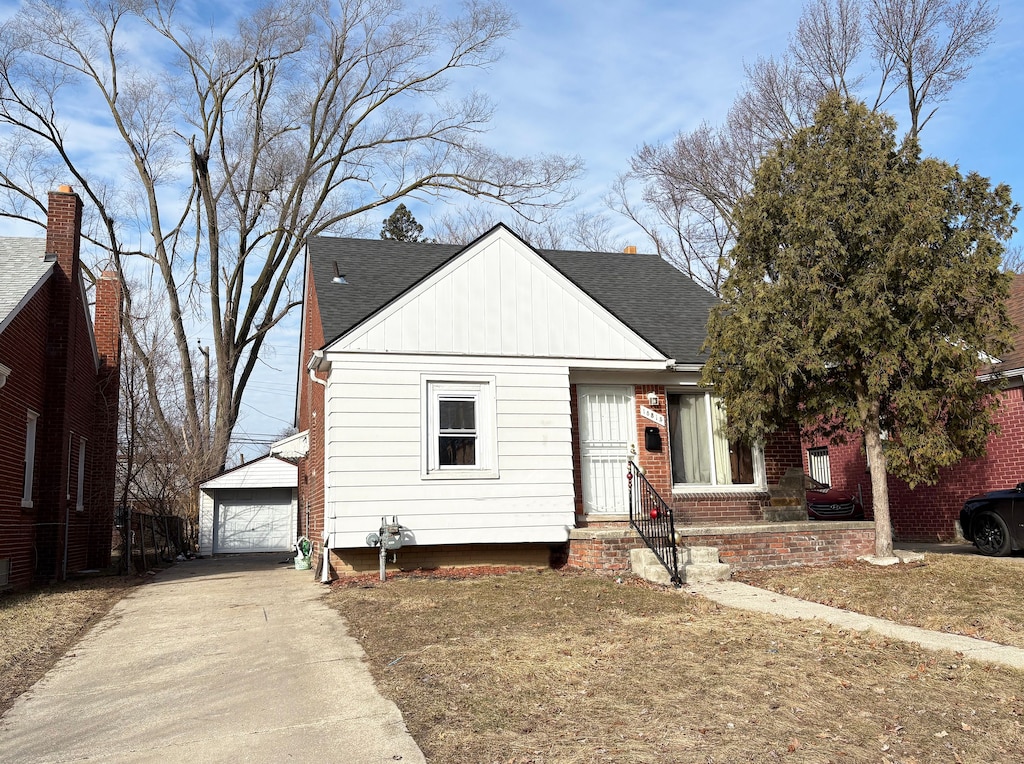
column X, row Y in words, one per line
column 720, row 508
column 577, row 463
column 657, row 465
column 23, row 349
column 348, row 562
column 710, row 507
column 931, row 512
column 49, row 348
column 311, row 418
column 782, row 450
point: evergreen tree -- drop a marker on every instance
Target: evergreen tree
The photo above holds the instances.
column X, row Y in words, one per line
column 865, row 293
column 401, row 226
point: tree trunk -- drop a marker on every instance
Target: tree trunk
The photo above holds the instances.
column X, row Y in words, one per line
column 879, row 481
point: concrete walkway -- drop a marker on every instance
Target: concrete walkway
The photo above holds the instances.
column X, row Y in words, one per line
column 232, row 659
column 736, row 595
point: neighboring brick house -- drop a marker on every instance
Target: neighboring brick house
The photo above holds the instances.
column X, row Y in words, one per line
column 492, row 396
column 931, row 512
column 58, row 404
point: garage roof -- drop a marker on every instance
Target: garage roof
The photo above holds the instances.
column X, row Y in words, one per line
column 265, row 472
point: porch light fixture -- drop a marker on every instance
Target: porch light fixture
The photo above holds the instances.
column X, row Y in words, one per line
column 652, row 399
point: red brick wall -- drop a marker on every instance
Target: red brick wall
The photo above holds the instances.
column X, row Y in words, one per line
column 608, row 552
column 23, row 349
column 103, row 447
column 54, row 373
column 782, row 451
column 783, row 548
column 719, row 508
column 657, row 465
column 577, row 464
column 930, row 513
column 604, row 551
column 311, row 418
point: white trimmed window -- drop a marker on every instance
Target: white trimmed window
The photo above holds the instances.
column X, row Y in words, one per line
column 30, row 459
column 80, row 500
column 818, row 466
column 460, row 431
column 702, row 455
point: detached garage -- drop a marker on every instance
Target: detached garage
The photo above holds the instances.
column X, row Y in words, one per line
column 251, row 508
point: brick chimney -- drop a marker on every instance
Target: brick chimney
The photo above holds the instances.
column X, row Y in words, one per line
column 630, row 250
column 64, row 319
column 107, row 319
column 107, row 331
column 63, row 229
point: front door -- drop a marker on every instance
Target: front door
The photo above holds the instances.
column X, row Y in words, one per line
column 607, row 443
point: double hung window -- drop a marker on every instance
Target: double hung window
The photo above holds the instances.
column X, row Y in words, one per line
column 460, row 430
column 30, row 459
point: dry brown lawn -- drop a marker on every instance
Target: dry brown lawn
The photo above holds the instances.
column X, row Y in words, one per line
column 962, row 594
column 542, row 667
column 37, row 627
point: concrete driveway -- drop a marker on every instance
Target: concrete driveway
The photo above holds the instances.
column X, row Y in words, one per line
column 228, row 659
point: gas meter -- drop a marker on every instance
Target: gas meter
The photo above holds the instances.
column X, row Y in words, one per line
column 388, row 538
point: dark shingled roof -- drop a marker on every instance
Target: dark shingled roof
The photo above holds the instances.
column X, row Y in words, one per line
column 645, row 292
column 1015, row 307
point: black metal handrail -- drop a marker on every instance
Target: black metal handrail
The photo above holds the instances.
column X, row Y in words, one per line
column 652, row 518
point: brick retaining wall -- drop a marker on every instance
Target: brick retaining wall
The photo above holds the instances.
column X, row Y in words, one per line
column 770, row 545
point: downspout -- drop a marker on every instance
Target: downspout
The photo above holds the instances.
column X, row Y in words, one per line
column 325, row 566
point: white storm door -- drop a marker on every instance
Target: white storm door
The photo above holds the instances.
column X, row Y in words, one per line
column 607, row 443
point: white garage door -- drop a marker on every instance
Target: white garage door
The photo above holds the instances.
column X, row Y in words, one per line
column 257, row 520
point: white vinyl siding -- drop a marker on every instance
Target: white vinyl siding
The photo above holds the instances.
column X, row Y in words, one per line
column 502, row 300
column 375, row 453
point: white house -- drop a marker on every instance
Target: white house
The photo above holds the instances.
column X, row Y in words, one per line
column 491, row 397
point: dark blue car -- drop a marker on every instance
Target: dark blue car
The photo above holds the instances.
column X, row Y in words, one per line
column 995, row 521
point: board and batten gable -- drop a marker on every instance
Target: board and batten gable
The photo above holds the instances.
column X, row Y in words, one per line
column 497, row 316
column 499, row 298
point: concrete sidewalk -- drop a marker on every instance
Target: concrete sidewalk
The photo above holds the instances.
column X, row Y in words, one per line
column 744, row 597
column 229, row 659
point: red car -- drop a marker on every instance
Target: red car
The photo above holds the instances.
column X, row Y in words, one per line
column 827, row 503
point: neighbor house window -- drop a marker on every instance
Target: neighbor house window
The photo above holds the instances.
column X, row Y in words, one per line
column 30, row 459
column 818, row 466
column 460, row 428
column 80, row 501
column 701, row 452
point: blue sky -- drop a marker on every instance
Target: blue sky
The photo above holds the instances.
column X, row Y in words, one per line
column 599, row 79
